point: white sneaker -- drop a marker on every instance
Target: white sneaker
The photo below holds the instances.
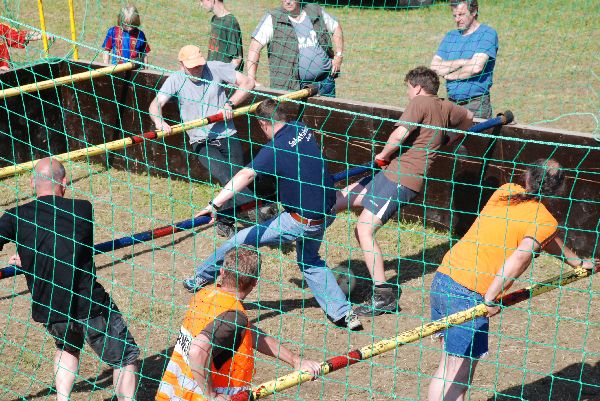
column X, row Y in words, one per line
column 349, row 321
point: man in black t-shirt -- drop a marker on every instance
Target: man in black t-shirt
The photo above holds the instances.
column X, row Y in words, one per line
column 54, row 237
column 225, row 43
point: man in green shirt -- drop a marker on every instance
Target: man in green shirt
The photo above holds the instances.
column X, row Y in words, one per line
column 225, row 43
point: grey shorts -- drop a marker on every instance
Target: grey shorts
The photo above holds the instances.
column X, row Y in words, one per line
column 481, row 106
column 107, row 335
column 384, row 197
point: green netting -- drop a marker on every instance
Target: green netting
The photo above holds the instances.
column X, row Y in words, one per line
column 382, row 44
column 544, row 348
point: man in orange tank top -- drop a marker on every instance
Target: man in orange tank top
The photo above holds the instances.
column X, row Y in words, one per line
column 512, row 229
column 213, row 358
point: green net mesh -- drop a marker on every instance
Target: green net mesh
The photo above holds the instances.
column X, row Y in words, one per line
column 540, row 349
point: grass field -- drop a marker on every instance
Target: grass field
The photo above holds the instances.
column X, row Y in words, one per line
column 547, row 67
column 545, row 349
column 554, row 339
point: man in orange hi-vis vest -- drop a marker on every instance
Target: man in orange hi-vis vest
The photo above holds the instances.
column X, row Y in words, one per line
column 214, row 354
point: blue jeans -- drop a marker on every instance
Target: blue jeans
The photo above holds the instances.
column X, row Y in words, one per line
column 308, row 239
column 326, row 87
column 467, row 340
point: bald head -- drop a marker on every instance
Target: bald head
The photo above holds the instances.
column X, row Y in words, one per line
column 49, row 177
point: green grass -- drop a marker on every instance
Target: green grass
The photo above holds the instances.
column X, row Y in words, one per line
column 546, row 69
column 548, row 54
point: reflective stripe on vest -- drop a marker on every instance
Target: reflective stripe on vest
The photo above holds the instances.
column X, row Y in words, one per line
column 184, row 389
column 234, row 376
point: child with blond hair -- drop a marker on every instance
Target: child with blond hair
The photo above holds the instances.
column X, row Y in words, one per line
column 126, row 41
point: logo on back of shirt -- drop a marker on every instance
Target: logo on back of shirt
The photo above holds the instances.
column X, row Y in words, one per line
column 305, row 134
column 308, row 41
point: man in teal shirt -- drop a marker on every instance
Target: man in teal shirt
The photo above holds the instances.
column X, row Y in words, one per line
column 466, row 59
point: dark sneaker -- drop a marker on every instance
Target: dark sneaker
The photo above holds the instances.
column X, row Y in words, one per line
column 247, row 218
column 225, row 230
column 383, row 301
column 350, row 321
column 266, row 213
column 195, row 283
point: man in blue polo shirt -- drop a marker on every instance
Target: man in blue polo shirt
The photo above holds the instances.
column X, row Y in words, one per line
column 466, row 59
column 306, row 192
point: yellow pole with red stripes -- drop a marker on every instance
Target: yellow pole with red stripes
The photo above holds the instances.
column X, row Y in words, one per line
column 67, row 79
column 369, row 351
column 95, row 150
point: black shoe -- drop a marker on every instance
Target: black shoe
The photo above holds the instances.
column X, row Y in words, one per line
column 225, row 229
column 383, row 301
column 253, row 216
column 266, row 213
column 350, row 321
column 195, row 283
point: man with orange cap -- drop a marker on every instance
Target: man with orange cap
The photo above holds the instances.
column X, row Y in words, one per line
column 214, row 354
column 201, row 90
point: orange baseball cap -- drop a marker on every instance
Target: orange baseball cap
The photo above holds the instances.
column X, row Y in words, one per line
column 191, row 56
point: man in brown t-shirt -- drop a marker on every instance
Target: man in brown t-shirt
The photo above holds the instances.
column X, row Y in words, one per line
column 410, row 151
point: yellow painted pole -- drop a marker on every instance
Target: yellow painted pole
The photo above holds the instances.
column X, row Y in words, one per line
column 43, row 26
column 51, row 83
column 73, row 31
column 369, row 351
column 95, row 150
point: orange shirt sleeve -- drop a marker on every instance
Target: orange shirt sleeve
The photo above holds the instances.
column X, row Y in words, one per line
column 544, row 228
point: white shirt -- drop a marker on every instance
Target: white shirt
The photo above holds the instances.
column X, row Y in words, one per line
column 264, row 32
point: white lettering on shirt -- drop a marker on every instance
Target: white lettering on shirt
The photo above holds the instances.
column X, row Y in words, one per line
column 183, row 344
column 310, row 41
column 305, row 134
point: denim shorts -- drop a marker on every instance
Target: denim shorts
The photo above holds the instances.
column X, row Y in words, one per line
column 467, row 340
column 384, row 197
column 107, row 335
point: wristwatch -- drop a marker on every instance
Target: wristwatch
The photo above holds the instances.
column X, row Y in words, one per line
column 215, row 207
column 229, row 102
column 339, row 54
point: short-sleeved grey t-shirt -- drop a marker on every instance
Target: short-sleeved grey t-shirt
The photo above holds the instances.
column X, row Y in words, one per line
column 202, row 98
column 312, row 60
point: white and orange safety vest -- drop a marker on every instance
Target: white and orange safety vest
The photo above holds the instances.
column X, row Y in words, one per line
column 234, row 376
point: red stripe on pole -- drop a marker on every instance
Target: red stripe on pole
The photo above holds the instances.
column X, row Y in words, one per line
column 516, row 297
column 341, row 361
column 215, row 118
column 145, row 136
column 241, row 396
column 162, row 231
column 150, row 135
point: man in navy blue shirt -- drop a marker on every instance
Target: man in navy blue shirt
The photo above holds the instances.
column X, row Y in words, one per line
column 466, row 59
column 307, row 194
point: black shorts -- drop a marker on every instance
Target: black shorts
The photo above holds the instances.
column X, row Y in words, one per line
column 107, row 335
column 384, row 197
